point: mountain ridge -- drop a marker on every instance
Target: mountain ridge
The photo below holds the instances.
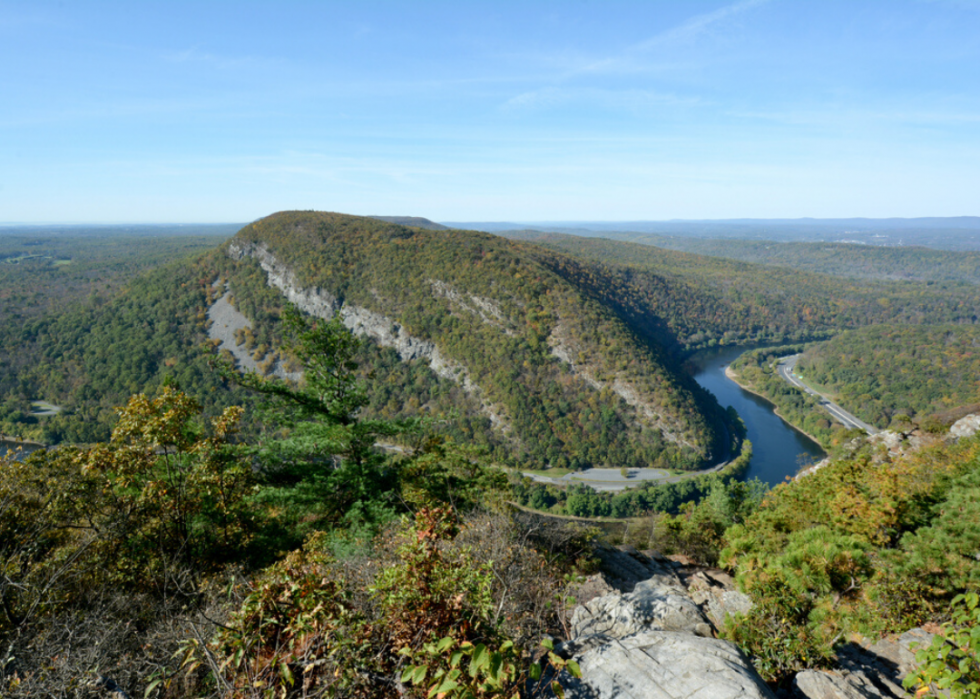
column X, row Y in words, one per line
column 487, row 315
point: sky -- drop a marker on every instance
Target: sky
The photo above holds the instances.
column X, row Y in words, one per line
column 203, row 111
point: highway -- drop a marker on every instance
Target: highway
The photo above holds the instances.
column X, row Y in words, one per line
column 785, row 368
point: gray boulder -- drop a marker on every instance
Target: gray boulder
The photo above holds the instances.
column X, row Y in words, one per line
column 722, row 603
column 965, row 427
column 624, row 567
column 715, row 593
column 651, row 605
column 819, row 684
column 664, row 665
column 865, row 672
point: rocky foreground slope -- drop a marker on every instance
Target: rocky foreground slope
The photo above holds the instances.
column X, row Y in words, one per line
column 648, row 625
column 650, row 630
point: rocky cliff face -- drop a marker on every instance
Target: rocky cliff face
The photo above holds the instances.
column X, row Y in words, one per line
column 362, row 322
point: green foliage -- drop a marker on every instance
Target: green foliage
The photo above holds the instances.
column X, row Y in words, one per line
column 441, row 472
column 159, row 502
column 188, row 490
column 944, row 554
column 898, row 373
column 858, row 546
column 297, row 624
column 431, row 626
column 426, row 593
column 776, row 632
column 950, row 665
column 697, row 530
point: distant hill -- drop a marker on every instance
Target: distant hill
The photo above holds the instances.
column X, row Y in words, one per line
column 414, row 221
column 953, row 233
column 882, row 372
column 838, row 259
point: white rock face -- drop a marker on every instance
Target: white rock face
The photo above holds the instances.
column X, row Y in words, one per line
column 649, row 606
column 563, row 347
column 485, row 309
column 225, row 320
column 965, row 427
column 361, row 321
column 664, row 665
column 818, row 684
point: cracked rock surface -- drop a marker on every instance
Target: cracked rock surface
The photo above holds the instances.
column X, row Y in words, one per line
column 665, row 665
column 649, row 606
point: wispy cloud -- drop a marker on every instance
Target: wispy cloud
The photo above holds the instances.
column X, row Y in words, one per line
column 855, row 117
column 632, row 99
column 697, row 25
column 196, row 55
column 685, row 32
column 631, row 59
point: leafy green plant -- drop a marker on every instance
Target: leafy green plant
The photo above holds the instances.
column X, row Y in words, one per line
column 297, row 627
column 950, row 665
column 464, row 670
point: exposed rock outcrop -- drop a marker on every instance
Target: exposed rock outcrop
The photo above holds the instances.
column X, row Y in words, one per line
column 650, row 637
column 663, row 665
column 225, row 321
column 889, row 444
column 965, row 427
column 864, row 672
column 565, row 348
column 364, row 322
column 649, row 606
column 715, row 593
column 322, row 304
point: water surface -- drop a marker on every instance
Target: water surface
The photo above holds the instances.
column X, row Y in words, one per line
column 776, row 445
column 25, row 449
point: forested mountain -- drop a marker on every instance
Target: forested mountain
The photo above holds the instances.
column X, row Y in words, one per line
column 703, row 301
column 415, row 221
column 472, row 329
column 554, row 374
column 876, row 262
column 898, row 373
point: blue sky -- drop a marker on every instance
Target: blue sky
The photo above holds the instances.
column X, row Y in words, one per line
column 473, row 111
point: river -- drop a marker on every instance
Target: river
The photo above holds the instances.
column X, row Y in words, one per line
column 25, row 449
column 776, row 445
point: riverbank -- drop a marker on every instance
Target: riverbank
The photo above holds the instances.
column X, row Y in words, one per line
column 733, row 377
column 10, row 439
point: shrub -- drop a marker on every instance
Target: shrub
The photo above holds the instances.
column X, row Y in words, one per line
column 950, row 665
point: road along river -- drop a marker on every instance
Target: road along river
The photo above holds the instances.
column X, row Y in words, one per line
column 777, row 447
